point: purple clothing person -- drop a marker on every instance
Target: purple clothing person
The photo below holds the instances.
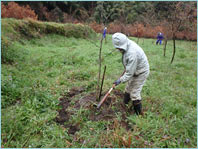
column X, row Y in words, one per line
column 160, row 37
column 104, row 32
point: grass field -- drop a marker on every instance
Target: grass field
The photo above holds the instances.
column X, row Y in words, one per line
column 45, row 92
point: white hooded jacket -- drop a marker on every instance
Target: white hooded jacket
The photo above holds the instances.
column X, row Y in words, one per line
column 134, row 58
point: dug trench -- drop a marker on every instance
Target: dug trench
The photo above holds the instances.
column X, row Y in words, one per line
column 108, row 111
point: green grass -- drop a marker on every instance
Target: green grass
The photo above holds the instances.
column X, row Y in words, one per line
column 53, row 64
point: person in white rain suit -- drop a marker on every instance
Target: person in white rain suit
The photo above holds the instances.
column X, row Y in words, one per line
column 136, row 69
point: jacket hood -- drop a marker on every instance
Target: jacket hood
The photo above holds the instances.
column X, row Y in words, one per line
column 120, row 41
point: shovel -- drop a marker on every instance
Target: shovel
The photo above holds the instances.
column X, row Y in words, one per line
column 107, row 94
column 105, row 97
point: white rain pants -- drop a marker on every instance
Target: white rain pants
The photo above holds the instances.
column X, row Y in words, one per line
column 135, row 84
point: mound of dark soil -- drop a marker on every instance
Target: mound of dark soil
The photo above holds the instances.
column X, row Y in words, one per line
column 108, row 111
column 63, row 114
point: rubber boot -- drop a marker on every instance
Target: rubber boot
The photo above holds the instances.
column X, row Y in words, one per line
column 126, row 98
column 137, row 107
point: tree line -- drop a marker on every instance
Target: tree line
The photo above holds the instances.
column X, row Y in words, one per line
column 176, row 19
column 104, row 11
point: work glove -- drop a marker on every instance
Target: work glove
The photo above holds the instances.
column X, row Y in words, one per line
column 117, row 82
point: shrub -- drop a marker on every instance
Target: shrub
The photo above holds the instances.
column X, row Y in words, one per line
column 139, row 30
column 68, row 18
column 186, row 35
column 56, row 14
column 114, row 27
column 136, row 30
column 13, row 10
column 98, row 28
column 3, row 10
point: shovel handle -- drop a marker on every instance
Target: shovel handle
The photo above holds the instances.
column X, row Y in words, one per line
column 105, row 97
column 107, row 94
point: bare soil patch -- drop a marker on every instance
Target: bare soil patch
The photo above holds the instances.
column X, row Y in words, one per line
column 109, row 110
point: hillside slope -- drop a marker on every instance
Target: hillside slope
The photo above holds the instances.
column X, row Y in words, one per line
column 16, row 30
column 48, row 85
column 29, row 28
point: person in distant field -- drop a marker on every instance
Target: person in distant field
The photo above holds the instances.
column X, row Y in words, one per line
column 160, row 37
column 104, row 32
column 136, row 69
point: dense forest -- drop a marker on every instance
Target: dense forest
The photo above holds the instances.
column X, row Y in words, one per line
column 133, row 18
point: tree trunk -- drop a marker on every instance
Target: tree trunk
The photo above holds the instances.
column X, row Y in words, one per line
column 138, row 39
column 165, row 43
column 102, row 83
column 174, row 49
column 99, row 70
